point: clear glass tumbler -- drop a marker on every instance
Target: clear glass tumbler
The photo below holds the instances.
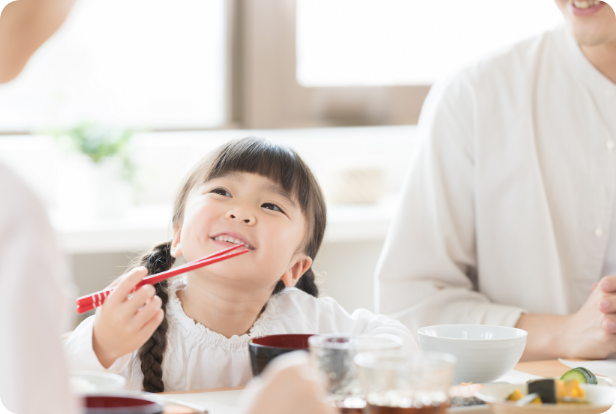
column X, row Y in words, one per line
column 333, row 357
column 405, row 382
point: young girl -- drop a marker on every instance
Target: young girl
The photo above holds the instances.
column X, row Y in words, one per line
column 251, row 192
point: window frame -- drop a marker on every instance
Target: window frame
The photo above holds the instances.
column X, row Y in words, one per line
column 268, row 95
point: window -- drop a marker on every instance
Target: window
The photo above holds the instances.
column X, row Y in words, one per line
column 366, row 62
column 154, row 64
column 406, row 42
column 197, row 64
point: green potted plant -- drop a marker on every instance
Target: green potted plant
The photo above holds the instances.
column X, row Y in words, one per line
column 97, row 172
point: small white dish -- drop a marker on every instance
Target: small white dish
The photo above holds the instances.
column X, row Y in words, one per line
column 600, row 398
column 485, row 353
column 95, row 382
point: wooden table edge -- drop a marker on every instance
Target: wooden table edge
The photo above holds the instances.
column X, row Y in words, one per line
column 547, row 369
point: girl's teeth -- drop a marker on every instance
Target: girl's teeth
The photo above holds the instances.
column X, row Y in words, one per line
column 231, row 240
column 581, row 4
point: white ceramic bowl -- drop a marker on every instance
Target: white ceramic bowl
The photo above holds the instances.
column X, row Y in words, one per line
column 485, row 353
column 93, row 382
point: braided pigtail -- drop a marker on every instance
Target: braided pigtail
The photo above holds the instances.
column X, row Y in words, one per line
column 152, row 352
column 308, row 284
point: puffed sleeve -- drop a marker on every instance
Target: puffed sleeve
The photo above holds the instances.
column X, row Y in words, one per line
column 81, row 356
column 303, row 313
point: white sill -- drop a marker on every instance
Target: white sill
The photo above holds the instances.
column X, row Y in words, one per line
column 144, row 226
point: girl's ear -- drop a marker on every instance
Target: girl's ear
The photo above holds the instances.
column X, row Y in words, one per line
column 176, row 246
column 295, row 272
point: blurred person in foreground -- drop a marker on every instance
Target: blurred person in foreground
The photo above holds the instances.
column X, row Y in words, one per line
column 508, row 214
column 34, row 304
column 33, row 300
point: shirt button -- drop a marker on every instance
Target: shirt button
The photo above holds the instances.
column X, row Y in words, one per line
column 610, row 144
column 610, row 92
column 598, row 232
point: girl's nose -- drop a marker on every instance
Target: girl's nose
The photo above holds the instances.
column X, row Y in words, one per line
column 238, row 215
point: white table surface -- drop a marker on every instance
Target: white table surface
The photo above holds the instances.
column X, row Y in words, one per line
column 225, row 402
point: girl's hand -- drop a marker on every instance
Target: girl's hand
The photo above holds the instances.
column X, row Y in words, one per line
column 288, row 385
column 123, row 325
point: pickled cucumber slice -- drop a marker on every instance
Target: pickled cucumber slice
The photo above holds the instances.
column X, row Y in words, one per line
column 581, row 374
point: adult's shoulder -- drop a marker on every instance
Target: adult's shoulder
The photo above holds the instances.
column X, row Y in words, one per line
column 492, row 90
column 504, row 71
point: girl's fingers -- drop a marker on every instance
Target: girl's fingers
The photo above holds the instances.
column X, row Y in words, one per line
column 147, row 312
column 126, row 284
column 151, row 325
column 116, row 282
column 139, row 299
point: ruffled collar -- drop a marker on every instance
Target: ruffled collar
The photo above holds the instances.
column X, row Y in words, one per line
column 178, row 319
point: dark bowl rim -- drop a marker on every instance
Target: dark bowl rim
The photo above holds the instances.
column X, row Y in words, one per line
column 250, row 343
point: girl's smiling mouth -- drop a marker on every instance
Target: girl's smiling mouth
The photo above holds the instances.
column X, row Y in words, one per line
column 233, row 238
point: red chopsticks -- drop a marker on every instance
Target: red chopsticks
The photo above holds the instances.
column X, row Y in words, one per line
column 96, row 299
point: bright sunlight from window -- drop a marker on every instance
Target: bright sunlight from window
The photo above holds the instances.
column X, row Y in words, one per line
column 406, row 42
column 128, row 63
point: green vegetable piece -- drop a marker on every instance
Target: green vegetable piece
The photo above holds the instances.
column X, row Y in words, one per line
column 546, row 388
column 581, row 374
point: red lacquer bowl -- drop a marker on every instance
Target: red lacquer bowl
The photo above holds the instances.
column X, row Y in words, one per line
column 112, row 404
column 263, row 349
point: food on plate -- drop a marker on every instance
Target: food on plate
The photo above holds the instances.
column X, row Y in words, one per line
column 546, row 388
column 530, row 399
column 553, row 391
column 515, row 395
column 464, row 395
column 581, row 374
column 550, row 391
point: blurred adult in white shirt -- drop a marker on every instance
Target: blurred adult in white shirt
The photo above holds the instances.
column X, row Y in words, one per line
column 33, row 277
column 508, row 211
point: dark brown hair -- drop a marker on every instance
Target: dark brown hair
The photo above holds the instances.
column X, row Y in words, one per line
column 251, row 155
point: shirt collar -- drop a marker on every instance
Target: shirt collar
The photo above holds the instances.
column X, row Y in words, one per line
column 597, row 82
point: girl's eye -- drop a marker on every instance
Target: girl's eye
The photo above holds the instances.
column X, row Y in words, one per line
column 272, row 207
column 221, row 191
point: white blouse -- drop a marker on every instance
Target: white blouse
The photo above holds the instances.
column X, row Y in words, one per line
column 198, row 358
column 509, row 199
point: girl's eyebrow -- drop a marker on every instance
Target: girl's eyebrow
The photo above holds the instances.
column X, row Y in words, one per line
column 276, row 189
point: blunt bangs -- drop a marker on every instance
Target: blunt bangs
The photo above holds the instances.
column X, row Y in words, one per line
column 267, row 159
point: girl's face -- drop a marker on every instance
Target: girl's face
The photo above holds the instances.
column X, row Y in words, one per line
column 251, row 210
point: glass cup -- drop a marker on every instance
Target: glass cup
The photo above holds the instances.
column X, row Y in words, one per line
column 333, row 357
column 405, row 382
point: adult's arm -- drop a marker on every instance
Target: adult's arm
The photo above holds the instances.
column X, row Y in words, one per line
column 426, row 271
column 24, row 26
column 34, row 306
